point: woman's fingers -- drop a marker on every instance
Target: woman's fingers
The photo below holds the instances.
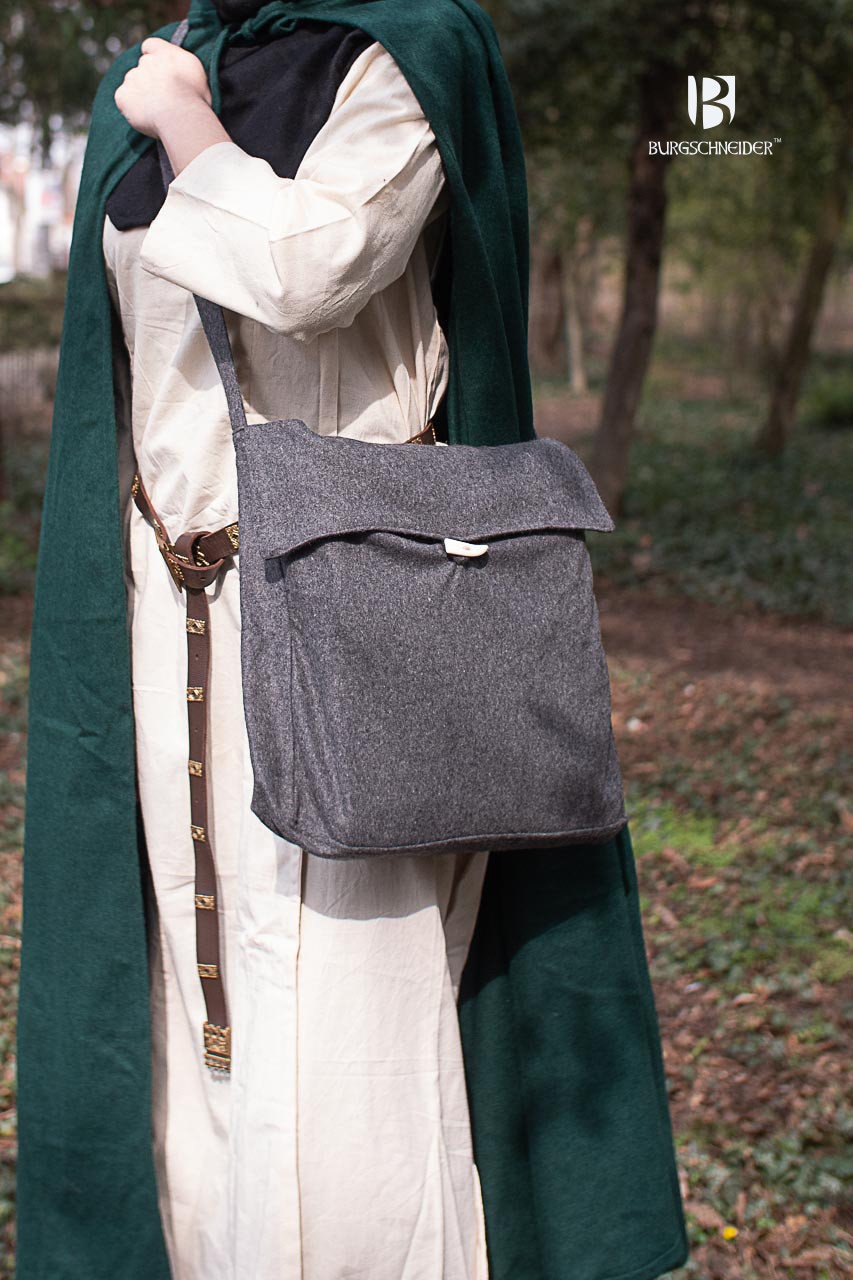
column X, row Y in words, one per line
column 167, row 79
column 176, row 61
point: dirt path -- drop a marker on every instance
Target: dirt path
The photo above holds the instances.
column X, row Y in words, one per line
column 697, row 639
column 687, row 636
column 15, row 618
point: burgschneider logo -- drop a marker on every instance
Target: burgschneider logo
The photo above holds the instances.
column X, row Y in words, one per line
column 718, row 92
column 711, row 103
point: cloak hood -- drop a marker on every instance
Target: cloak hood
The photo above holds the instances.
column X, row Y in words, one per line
column 561, row 1045
column 236, row 10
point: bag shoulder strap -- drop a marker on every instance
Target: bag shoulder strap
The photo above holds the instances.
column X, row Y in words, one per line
column 212, row 316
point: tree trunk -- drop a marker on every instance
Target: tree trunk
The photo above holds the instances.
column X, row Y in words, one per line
column 779, row 422
column 546, row 308
column 4, row 482
column 629, row 360
column 585, row 274
column 17, row 209
column 574, row 324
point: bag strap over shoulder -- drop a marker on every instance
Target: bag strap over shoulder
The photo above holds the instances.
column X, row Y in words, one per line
column 212, row 317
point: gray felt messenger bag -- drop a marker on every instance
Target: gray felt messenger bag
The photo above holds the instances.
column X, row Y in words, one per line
column 421, row 658
column 422, row 665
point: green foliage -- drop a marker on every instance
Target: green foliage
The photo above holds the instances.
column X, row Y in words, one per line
column 579, row 72
column 709, row 799
column 17, row 553
column 20, row 514
column 54, row 53
column 742, row 835
column 656, row 823
column 704, row 515
column 583, row 76
column 31, row 312
column 829, row 400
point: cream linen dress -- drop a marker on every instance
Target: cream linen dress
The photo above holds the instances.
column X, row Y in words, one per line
column 340, row 1146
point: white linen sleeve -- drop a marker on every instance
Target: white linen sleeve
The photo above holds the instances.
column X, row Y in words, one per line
column 303, row 255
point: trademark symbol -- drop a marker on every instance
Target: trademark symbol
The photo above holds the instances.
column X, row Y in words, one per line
column 777, row 139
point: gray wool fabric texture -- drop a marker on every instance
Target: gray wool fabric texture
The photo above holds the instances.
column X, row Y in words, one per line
column 387, row 707
column 389, row 703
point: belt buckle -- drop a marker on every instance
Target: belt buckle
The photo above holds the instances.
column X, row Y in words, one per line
column 167, row 551
column 425, row 436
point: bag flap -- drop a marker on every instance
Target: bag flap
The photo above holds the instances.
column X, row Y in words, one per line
column 303, row 486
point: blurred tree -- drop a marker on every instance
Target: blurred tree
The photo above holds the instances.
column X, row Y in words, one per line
column 54, row 52
column 817, row 63
column 765, row 234
column 575, row 183
column 596, row 84
column 565, row 270
column 794, row 359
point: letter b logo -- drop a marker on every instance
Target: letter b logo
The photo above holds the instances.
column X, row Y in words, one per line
column 718, row 100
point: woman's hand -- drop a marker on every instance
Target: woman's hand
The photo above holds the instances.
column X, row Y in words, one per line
column 166, row 82
column 166, row 96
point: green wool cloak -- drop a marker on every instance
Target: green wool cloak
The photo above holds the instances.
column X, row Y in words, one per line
column 567, row 1094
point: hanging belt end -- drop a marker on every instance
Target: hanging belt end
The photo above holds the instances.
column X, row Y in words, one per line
column 217, row 1047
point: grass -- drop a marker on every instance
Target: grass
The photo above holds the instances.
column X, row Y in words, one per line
column 31, row 312
column 742, row 836
column 708, row 518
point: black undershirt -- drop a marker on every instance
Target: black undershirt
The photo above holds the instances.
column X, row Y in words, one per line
column 275, row 98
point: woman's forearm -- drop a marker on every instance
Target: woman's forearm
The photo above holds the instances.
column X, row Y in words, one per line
column 188, row 132
column 166, row 95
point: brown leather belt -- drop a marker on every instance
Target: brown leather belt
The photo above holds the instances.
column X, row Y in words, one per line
column 195, row 560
